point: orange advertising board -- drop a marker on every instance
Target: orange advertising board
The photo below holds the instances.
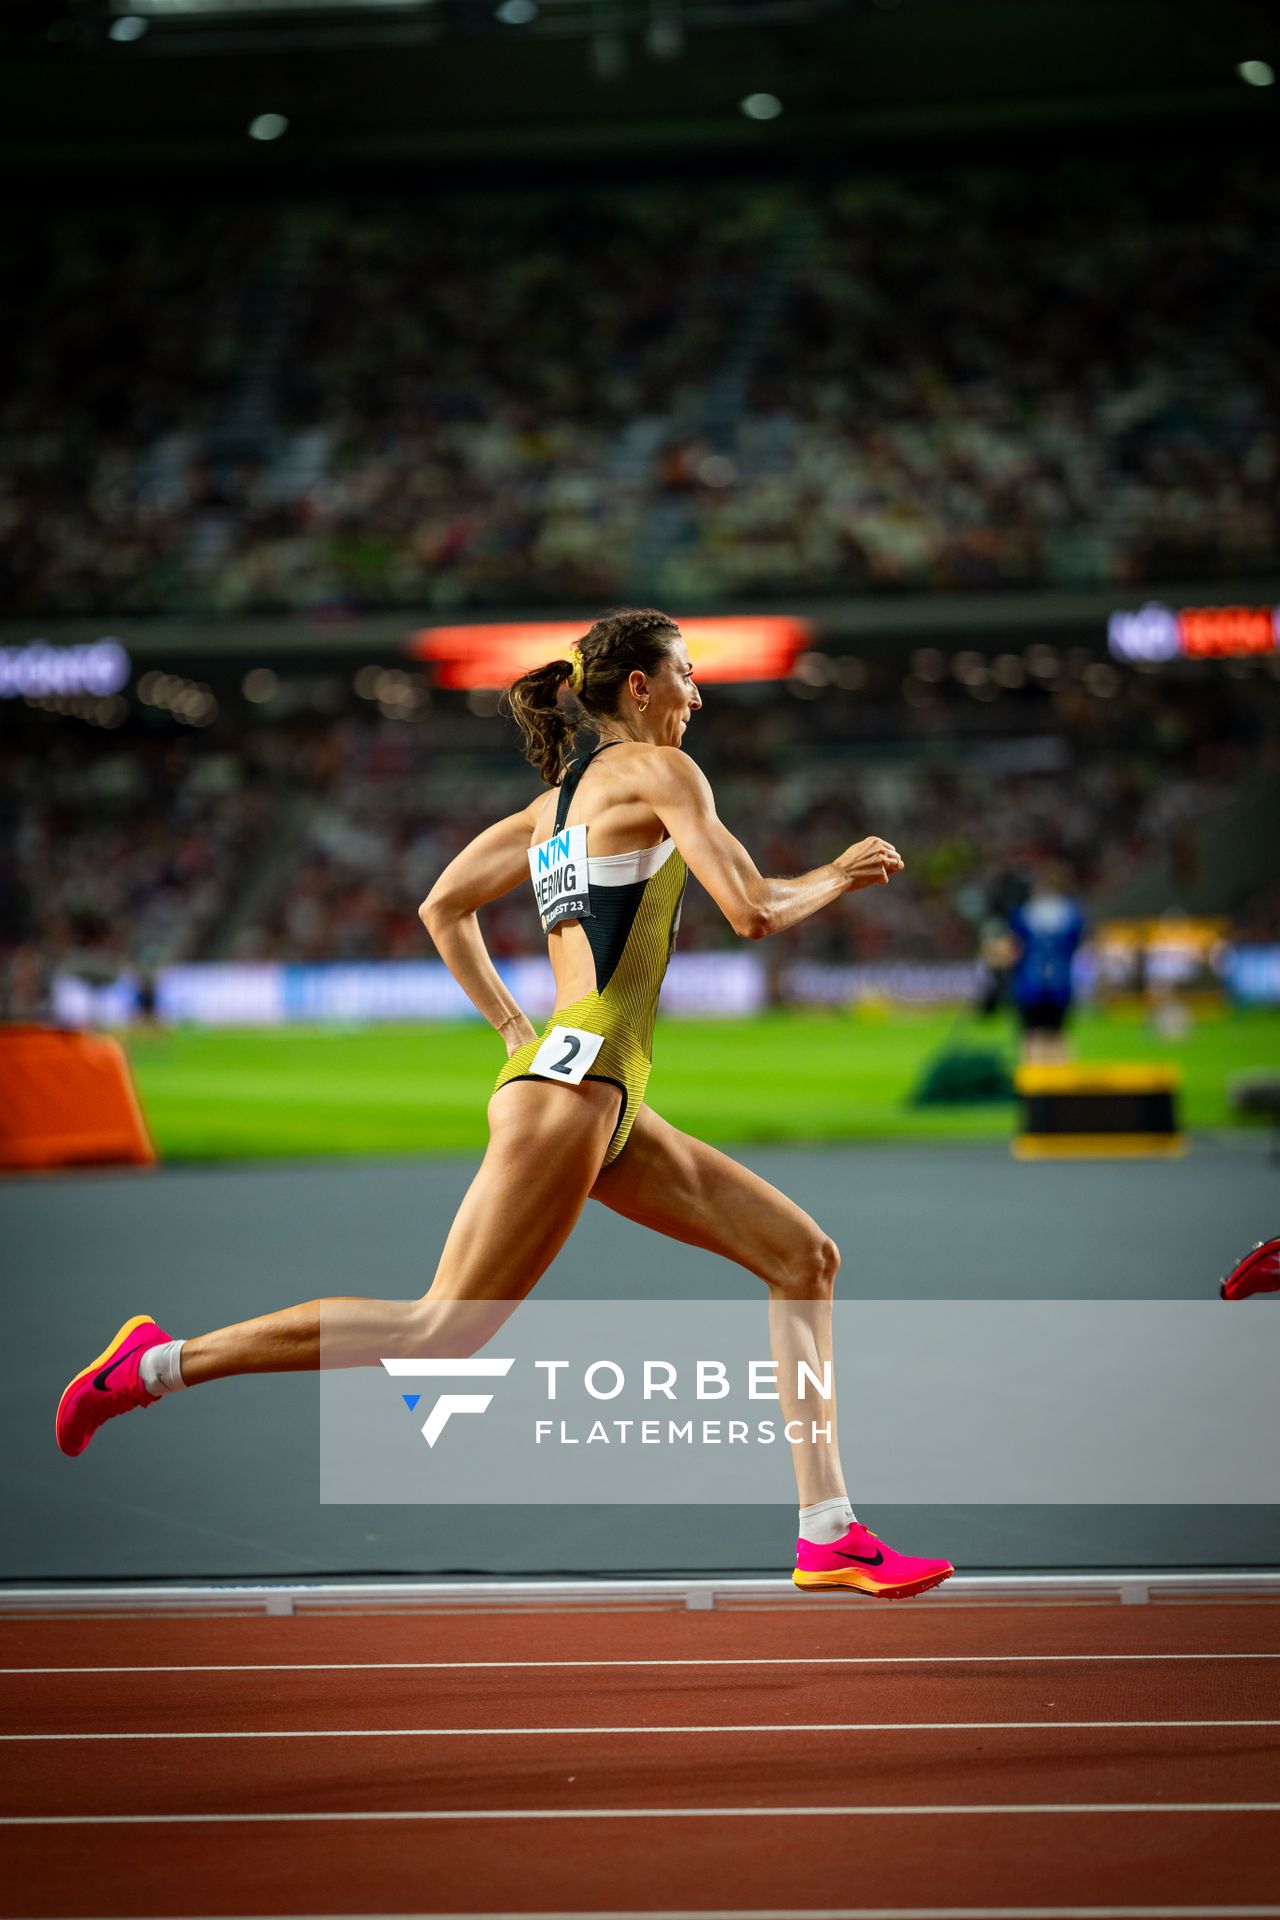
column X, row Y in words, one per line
column 734, row 647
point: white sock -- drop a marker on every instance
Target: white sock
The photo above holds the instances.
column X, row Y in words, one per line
column 827, row 1521
column 160, row 1369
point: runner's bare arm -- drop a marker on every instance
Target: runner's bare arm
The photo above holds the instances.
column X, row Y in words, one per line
column 492, row 864
column 753, row 904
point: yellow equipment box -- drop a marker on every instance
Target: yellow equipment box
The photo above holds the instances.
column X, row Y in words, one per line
column 1097, row 1112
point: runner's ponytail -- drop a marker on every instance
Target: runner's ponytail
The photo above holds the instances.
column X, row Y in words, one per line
column 547, row 727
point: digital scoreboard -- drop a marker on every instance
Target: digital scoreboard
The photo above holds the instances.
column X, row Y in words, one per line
column 1156, row 633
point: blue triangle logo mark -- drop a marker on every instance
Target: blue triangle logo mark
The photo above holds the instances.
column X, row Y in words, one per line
column 411, row 1400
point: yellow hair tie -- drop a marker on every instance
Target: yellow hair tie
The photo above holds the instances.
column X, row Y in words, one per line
column 575, row 670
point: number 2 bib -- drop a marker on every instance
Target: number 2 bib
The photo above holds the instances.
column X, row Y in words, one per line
column 566, row 1054
column 561, row 884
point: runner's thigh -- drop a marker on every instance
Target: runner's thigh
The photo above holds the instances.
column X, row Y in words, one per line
column 679, row 1186
column 546, row 1144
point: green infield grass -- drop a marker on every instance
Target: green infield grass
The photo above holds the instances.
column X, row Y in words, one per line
column 302, row 1092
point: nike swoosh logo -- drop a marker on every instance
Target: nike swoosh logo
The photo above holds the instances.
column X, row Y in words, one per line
column 862, row 1559
column 100, row 1379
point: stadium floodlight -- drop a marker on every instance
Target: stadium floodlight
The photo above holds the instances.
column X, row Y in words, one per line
column 259, row 685
column 128, row 27
column 1256, row 73
column 761, row 106
column 268, row 126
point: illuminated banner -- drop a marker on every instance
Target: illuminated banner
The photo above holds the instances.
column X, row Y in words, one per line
column 1156, row 633
column 268, row 994
column 743, row 648
column 734, row 985
column 37, row 671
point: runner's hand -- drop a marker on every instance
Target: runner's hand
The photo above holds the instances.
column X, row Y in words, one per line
column 516, row 1032
column 871, row 863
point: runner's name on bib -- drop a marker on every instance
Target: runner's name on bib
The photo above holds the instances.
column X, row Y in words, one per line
column 565, row 1054
column 558, row 869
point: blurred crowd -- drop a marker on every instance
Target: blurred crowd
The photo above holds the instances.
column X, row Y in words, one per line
column 1057, row 377
column 315, row 839
column 122, row 336
column 121, row 857
column 976, row 379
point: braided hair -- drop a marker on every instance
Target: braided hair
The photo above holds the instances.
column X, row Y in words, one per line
column 618, row 644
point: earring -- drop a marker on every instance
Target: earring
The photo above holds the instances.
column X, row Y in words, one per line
column 643, row 705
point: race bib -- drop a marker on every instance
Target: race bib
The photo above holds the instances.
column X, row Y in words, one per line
column 558, row 869
column 565, row 1054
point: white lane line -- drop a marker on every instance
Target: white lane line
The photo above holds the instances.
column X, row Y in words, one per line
column 1198, row 1912
column 636, row 1813
column 509, row 1666
column 763, row 1726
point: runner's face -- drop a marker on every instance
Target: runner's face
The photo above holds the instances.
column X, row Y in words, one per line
column 673, row 698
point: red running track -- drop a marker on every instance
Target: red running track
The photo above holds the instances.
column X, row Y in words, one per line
column 846, row 1759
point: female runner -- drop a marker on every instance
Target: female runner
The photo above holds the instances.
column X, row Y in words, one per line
column 610, row 918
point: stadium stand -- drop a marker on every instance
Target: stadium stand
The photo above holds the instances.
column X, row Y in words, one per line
column 744, row 390
column 923, row 418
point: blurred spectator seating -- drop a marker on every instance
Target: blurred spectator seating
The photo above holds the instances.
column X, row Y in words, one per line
column 973, row 379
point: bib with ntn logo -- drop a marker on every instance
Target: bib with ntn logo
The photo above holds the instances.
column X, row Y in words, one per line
column 558, row 865
column 561, row 880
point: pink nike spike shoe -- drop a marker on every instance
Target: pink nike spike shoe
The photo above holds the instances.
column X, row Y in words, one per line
column 109, row 1385
column 1257, row 1272
column 860, row 1561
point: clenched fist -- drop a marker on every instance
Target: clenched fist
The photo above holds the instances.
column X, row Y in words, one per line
column 871, row 863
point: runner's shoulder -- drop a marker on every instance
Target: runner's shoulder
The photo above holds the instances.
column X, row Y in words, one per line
column 667, row 774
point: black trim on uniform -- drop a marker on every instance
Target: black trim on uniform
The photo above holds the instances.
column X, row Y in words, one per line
column 573, row 774
column 614, row 909
column 605, row 1080
column 609, row 927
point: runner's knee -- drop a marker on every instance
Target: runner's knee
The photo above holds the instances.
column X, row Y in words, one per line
column 810, row 1273
column 451, row 1329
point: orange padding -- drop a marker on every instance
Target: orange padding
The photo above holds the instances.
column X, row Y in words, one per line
column 67, row 1099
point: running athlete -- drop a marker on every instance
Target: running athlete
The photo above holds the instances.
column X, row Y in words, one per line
column 610, row 914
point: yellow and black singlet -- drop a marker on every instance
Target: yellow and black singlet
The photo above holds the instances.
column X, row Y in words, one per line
column 628, row 905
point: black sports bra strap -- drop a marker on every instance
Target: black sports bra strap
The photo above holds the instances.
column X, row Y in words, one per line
column 569, row 785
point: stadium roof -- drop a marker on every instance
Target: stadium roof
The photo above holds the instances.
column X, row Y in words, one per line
column 378, row 85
